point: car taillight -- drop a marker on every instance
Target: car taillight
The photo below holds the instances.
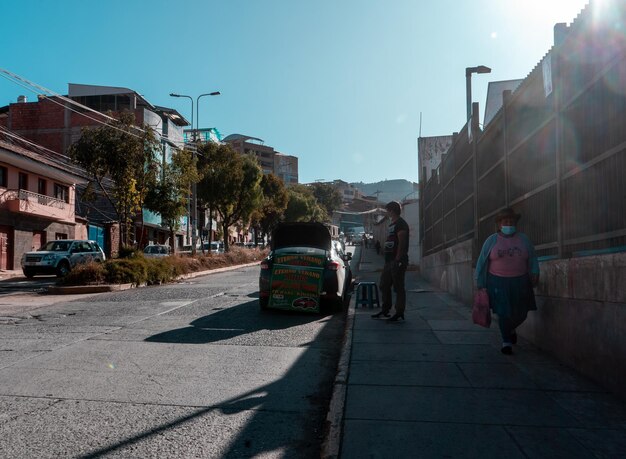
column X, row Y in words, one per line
column 265, row 265
column 332, row 265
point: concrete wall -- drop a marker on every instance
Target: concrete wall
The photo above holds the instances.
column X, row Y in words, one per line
column 581, row 302
column 581, row 316
column 451, row 270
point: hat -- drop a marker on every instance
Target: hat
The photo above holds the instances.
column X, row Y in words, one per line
column 507, row 212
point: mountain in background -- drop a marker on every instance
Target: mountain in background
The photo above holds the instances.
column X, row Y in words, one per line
column 389, row 190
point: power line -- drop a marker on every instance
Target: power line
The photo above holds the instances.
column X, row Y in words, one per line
column 24, row 83
column 28, row 85
column 41, row 147
column 65, row 161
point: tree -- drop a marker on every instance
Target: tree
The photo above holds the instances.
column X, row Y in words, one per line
column 273, row 204
column 231, row 184
column 169, row 196
column 126, row 155
column 302, row 206
column 327, row 196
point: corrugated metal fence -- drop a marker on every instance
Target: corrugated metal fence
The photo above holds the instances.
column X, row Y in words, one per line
column 556, row 153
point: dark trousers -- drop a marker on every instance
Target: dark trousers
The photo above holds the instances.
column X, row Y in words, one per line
column 393, row 276
column 509, row 324
column 510, row 298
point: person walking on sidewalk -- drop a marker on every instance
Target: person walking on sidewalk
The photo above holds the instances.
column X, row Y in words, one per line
column 508, row 268
column 396, row 250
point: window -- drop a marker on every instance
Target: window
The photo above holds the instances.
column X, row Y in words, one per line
column 3, row 176
column 60, row 236
column 82, row 246
column 41, row 186
column 22, row 183
column 61, row 192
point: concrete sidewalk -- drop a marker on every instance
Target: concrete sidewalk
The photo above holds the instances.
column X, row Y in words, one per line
column 10, row 274
column 438, row 386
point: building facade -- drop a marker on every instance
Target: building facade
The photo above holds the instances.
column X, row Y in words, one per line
column 37, row 201
column 271, row 161
column 55, row 123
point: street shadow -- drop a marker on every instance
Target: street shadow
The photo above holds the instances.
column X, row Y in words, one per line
column 232, row 322
column 286, row 415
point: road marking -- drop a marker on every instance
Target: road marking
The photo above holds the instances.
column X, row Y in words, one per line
column 176, row 303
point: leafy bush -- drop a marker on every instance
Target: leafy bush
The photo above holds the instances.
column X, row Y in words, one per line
column 126, row 271
column 138, row 270
column 90, row 273
column 129, row 252
column 159, row 270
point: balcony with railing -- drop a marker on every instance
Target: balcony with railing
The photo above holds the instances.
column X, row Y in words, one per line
column 29, row 203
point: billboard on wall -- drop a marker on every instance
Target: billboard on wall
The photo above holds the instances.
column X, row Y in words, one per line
column 429, row 152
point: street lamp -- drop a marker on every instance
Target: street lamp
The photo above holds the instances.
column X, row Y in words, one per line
column 468, row 85
column 214, row 93
column 194, row 185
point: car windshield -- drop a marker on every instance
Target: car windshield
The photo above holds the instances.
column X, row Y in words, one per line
column 56, row 246
column 156, row 249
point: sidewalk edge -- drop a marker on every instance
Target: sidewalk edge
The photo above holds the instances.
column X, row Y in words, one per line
column 334, row 418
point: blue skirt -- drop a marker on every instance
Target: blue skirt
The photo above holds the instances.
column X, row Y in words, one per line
column 511, row 296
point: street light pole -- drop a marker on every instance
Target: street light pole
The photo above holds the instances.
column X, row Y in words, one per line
column 468, row 85
column 193, row 214
column 214, row 93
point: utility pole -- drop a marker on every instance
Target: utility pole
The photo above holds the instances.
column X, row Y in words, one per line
column 194, row 185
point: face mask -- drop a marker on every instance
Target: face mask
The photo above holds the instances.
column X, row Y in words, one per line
column 508, row 230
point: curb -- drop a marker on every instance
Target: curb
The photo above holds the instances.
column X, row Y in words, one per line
column 77, row 289
column 216, row 270
column 334, row 418
column 74, row 289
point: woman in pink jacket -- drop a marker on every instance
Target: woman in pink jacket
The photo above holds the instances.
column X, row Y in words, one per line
column 508, row 268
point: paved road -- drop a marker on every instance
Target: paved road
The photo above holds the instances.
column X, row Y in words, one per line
column 183, row 370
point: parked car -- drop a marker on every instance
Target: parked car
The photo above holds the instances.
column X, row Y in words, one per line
column 305, row 270
column 60, row 256
column 247, row 245
column 216, row 247
column 185, row 250
column 157, row 251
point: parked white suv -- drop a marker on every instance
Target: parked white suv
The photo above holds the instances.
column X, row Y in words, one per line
column 58, row 257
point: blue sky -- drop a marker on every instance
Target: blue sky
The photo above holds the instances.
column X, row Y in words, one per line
column 338, row 83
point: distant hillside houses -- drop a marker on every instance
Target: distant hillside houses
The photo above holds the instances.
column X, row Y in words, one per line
column 389, row 190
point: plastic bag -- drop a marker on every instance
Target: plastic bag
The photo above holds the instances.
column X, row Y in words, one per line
column 481, row 314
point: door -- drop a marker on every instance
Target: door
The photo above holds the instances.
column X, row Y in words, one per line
column 4, row 239
column 5, row 247
column 78, row 250
column 96, row 233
